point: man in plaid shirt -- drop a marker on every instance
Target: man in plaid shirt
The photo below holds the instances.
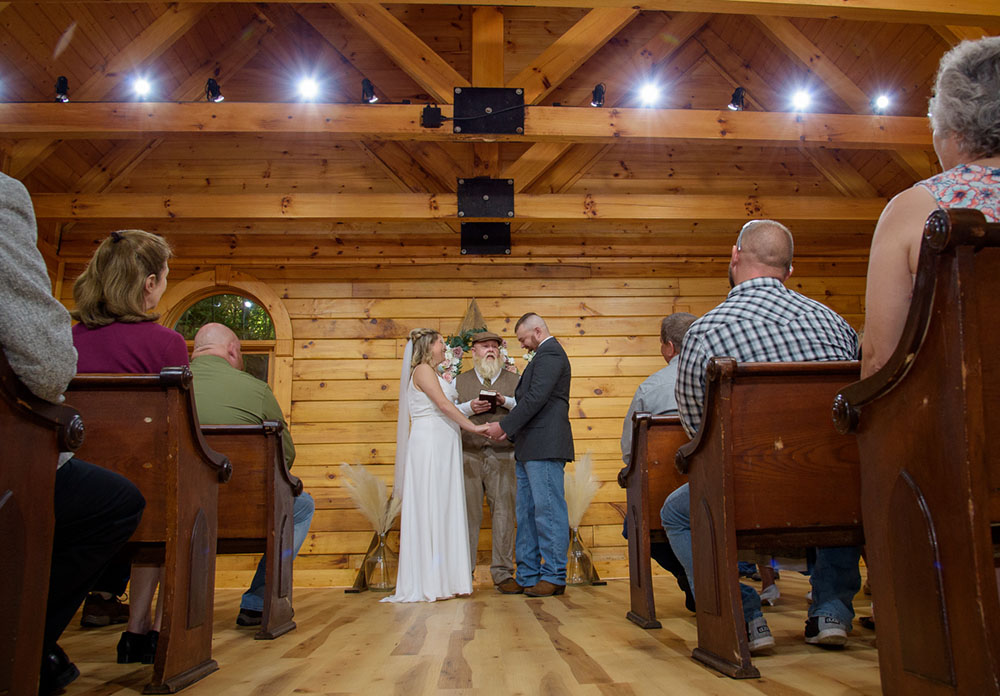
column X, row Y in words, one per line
column 763, row 321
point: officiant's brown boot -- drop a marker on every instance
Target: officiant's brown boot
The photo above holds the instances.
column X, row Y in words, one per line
column 544, row 588
column 509, row 586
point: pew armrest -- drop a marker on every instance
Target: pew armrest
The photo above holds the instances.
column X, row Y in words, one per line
column 293, row 482
column 64, row 418
column 717, row 367
column 944, row 232
column 640, row 420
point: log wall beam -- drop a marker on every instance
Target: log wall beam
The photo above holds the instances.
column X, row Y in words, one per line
column 417, row 206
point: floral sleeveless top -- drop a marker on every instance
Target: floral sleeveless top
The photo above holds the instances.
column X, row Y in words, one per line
column 968, row 186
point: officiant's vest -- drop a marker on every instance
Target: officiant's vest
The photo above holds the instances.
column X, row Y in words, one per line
column 469, row 386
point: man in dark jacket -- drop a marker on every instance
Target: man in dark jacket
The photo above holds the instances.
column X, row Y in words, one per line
column 543, row 443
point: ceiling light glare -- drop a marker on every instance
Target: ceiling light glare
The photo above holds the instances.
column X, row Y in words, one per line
column 308, row 88
column 649, row 94
column 801, row 100
column 881, row 103
column 142, row 87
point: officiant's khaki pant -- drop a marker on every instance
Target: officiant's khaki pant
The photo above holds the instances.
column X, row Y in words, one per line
column 492, row 472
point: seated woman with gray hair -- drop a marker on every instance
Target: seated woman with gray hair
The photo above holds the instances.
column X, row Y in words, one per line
column 965, row 116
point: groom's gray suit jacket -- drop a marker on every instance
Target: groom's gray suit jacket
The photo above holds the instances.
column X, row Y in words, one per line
column 539, row 424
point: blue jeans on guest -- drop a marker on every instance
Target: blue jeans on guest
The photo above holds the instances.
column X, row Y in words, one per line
column 835, row 578
column 676, row 517
column 302, row 514
column 542, row 522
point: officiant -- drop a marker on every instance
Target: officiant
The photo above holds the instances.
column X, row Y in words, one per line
column 485, row 395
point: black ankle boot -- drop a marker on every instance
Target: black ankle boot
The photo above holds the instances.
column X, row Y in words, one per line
column 152, row 639
column 134, row 647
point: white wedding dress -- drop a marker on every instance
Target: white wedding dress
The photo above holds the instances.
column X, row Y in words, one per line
column 434, row 538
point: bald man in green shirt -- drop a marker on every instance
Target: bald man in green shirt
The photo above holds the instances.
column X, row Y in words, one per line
column 226, row 395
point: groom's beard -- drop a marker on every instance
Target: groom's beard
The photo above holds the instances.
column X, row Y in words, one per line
column 488, row 367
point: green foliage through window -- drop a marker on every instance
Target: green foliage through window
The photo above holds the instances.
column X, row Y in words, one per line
column 246, row 318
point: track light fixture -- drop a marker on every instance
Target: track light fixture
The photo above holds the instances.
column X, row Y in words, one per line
column 62, row 89
column 368, row 92
column 212, row 91
column 738, row 103
column 598, row 98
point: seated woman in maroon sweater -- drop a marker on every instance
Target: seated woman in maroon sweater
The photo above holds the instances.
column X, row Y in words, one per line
column 114, row 297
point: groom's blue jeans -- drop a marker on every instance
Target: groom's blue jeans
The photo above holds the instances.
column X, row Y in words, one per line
column 542, row 522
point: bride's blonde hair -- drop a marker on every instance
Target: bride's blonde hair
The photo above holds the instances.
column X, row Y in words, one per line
column 423, row 339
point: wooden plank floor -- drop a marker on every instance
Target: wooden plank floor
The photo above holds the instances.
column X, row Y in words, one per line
column 579, row 643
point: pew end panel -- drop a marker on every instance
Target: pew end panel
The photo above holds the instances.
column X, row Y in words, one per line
column 256, row 512
column 928, row 428
column 34, row 433
column 145, row 427
column 648, row 480
column 767, row 470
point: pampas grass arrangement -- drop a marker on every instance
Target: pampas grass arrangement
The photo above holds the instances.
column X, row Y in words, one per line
column 370, row 495
column 581, row 487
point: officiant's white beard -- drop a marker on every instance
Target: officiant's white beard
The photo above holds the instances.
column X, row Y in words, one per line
column 489, row 367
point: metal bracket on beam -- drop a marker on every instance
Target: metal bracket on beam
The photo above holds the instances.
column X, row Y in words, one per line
column 484, row 238
column 488, row 110
column 483, row 197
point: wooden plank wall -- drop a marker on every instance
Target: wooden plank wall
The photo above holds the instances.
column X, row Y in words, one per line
column 350, row 322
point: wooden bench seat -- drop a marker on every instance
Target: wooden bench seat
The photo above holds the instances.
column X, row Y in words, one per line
column 34, row 432
column 647, row 481
column 255, row 511
column 928, row 428
column 145, row 427
column 767, row 471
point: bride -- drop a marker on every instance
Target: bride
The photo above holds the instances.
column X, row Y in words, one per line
column 434, row 539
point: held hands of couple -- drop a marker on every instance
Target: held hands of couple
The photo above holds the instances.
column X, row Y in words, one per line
column 494, row 431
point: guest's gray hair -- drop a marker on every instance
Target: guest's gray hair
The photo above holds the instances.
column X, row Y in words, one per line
column 966, row 101
column 674, row 327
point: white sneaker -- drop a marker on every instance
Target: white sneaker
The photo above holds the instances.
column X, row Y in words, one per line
column 825, row 630
column 759, row 635
column 769, row 594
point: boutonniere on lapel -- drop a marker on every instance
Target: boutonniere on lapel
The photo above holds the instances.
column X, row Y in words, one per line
column 528, row 356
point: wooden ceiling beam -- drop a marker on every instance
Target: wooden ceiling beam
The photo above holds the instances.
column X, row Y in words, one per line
column 570, row 51
column 487, row 71
column 418, row 206
column 406, row 49
column 760, row 95
column 955, row 35
column 149, row 45
column 129, row 120
column 123, row 158
column 797, row 46
column 957, row 12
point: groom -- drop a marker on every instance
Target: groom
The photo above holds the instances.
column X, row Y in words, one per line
column 543, row 443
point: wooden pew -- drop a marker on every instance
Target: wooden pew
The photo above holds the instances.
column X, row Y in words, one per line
column 255, row 511
column 145, row 427
column 647, row 481
column 34, row 432
column 928, row 428
column 768, row 471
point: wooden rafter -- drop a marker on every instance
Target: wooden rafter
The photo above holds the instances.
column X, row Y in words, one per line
column 402, row 122
column 541, row 156
column 123, row 158
column 800, row 48
column 487, row 71
column 407, row 50
column 415, row 206
column 159, row 36
column 958, row 12
column 955, row 35
column 570, row 51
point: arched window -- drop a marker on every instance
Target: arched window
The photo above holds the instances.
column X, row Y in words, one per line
column 249, row 321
